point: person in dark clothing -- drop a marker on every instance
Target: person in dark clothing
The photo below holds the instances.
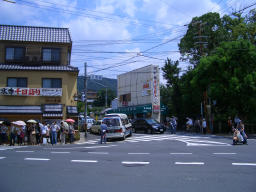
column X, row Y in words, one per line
column 38, row 134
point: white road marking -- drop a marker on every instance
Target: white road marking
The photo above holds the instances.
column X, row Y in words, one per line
column 25, row 151
column 189, row 163
column 245, row 164
column 100, row 146
column 58, row 152
column 138, row 153
column 180, row 153
column 135, row 162
column 99, row 153
column 224, row 153
column 36, row 159
column 84, row 161
column 2, row 157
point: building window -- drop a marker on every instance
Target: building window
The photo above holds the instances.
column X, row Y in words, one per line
column 16, row 82
column 14, row 53
column 51, row 54
column 52, row 83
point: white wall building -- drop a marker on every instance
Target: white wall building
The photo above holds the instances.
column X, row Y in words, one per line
column 139, row 92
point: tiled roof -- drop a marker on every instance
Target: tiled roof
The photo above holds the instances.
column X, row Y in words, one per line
column 34, row 34
column 5, row 67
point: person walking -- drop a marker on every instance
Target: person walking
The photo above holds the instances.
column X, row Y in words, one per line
column 103, row 128
column 70, row 132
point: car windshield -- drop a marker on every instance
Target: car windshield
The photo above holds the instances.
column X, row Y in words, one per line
column 112, row 122
column 151, row 121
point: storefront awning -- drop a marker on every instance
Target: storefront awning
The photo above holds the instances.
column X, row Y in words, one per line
column 52, row 115
column 72, row 110
column 17, row 109
column 53, row 110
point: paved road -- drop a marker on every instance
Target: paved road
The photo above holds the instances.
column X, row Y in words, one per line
column 156, row 163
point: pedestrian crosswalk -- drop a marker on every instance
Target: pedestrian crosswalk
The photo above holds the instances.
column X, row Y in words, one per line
column 4, row 147
column 188, row 140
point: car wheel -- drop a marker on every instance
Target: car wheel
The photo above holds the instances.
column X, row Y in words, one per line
column 149, row 131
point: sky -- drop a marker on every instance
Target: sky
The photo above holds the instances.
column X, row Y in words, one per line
column 117, row 36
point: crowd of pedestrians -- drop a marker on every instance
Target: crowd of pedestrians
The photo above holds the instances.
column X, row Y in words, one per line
column 36, row 133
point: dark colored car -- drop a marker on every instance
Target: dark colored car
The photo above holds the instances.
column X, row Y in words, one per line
column 147, row 126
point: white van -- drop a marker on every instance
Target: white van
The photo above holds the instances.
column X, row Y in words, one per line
column 118, row 126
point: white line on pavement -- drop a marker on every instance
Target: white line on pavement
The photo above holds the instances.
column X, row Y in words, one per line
column 99, row 146
column 36, row 159
column 135, row 162
column 224, row 153
column 58, row 152
column 138, row 153
column 25, row 151
column 99, row 153
column 180, row 153
column 189, row 163
column 245, row 164
column 84, row 161
column 2, row 157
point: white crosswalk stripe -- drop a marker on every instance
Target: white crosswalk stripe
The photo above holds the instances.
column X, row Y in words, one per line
column 191, row 141
column 3, row 148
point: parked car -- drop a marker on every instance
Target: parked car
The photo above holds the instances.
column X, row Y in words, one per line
column 118, row 126
column 147, row 125
column 95, row 128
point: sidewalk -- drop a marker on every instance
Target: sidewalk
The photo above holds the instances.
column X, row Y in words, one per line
column 87, row 138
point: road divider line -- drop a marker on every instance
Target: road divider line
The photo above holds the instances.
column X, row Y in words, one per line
column 189, row 163
column 36, row 159
column 99, row 153
column 2, row 157
column 138, row 153
column 224, row 153
column 244, row 164
column 135, row 162
column 180, row 153
column 84, row 161
column 25, row 151
column 58, row 152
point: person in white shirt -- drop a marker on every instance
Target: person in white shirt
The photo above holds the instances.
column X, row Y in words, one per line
column 44, row 131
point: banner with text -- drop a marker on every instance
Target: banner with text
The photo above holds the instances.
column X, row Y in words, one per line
column 18, row 91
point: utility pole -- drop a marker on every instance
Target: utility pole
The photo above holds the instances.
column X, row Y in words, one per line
column 85, row 98
column 106, row 98
column 203, row 44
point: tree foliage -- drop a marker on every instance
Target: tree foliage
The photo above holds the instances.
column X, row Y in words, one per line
column 225, row 68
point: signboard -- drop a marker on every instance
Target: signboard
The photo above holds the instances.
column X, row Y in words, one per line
column 146, row 89
column 17, row 91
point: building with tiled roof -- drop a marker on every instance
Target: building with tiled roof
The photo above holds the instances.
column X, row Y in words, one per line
column 36, row 78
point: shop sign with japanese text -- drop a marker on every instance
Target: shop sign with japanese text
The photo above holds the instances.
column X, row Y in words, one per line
column 17, row 91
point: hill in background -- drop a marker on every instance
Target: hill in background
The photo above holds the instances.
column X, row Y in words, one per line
column 92, row 84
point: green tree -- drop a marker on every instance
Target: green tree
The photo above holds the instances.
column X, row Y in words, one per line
column 213, row 29
column 229, row 76
column 101, row 99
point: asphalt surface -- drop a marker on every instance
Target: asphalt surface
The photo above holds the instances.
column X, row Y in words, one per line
column 150, row 163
